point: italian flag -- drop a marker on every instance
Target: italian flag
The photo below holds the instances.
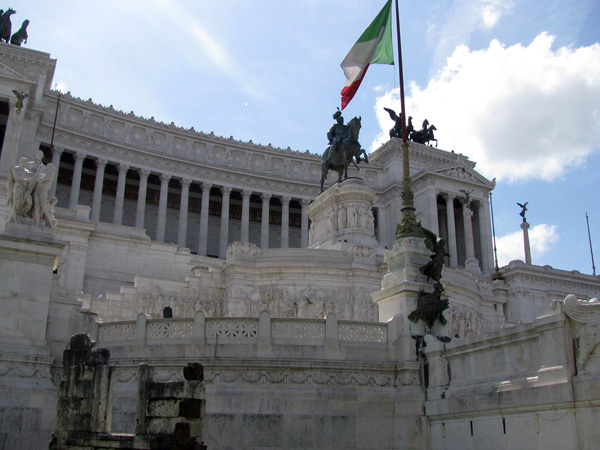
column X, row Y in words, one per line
column 373, row 47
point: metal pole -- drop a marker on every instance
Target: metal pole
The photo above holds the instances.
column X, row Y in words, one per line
column 494, row 234
column 408, row 225
column 590, row 239
column 54, row 126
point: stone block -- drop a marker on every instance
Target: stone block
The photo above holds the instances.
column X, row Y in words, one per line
column 162, row 408
column 191, row 408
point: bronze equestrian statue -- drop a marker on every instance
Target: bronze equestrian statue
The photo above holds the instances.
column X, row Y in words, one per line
column 343, row 148
column 5, row 24
column 21, row 35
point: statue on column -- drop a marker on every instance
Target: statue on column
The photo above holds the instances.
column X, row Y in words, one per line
column 523, row 210
column 28, row 186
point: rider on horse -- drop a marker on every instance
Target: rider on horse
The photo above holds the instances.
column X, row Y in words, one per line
column 337, row 131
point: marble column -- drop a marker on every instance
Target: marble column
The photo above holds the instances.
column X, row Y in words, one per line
column 304, row 224
column 452, row 248
column 12, row 138
column 183, row 212
column 120, row 197
column 431, row 217
column 98, row 184
column 162, row 207
column 224, row 234
column 381, row 230
column 140, row 212
column 264, row 227
column 76, row 183
column 244, row 237
column 203, row 233
column 525, row 228
column 56, row 154
column 471, row 262
column 485, row 235
column 285, row 222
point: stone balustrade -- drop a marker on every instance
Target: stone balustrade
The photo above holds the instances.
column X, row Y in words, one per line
column 247, row 330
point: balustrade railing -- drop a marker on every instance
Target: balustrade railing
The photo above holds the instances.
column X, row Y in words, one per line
column 249, row 330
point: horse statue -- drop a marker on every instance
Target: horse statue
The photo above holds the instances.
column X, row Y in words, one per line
column 396, row 131
column 21, row 35
column 425, row 134
column 5, row 25
column 348, row 151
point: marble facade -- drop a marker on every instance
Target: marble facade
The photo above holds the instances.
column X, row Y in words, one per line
column 174, row 246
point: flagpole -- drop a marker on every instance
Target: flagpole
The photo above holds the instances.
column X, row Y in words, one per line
column 408, row 226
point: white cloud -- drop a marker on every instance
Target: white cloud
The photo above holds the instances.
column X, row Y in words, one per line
column 464, row 17
column 520, row 112
column 541, row 239
column 492, row 10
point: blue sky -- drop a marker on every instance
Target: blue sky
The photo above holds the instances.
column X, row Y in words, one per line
column 514, row 85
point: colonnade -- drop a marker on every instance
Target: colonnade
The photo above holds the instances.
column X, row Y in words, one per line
column 185, row 183
column 466, row 228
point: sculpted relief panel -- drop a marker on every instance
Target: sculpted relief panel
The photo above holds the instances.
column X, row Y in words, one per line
column 299, row 302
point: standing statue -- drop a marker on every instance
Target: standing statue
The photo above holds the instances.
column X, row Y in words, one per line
column 433, row 269
column 21, row 96
column 28, row 186
column 467, row 196
column 343, row 149
column 396, row 131
column 21, row 35
column 6, row 25
column 425, row 134
column 523, row 210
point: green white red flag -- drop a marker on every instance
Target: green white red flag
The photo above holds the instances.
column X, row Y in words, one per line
column 373, row 47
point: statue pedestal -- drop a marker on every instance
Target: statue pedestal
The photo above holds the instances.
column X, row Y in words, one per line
column 28, row 256
column 341, row 217
column 400, row 289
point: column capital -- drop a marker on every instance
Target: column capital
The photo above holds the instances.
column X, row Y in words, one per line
column 206, row 186
column 79, row 157
column 286, row 199
column 305, row 202
column 57, row 150
column 185, row 182
column 164, row 178
column 144, row 173
column 246, row 193
column 265, row 197
column 101, row 163
column 123, row 168
column 226, row 190
column 448, row 196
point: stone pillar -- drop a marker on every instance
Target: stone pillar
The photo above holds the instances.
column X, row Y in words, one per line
column 285, row 222
column 76, row 183
column 264, row 229
column 245, row 216
column 485, row 235
column 12, row 138
column 432, row 213
column 381, row 237
column 162, row 207
column 224, row 235
column 120, row 197
column 203, row 233
column 452, row 249
column 471, row 262
column 140, row 212
column 56, row 154
column 98, row 184
column 183, row 212
column 304, row 224
column 525, row 228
